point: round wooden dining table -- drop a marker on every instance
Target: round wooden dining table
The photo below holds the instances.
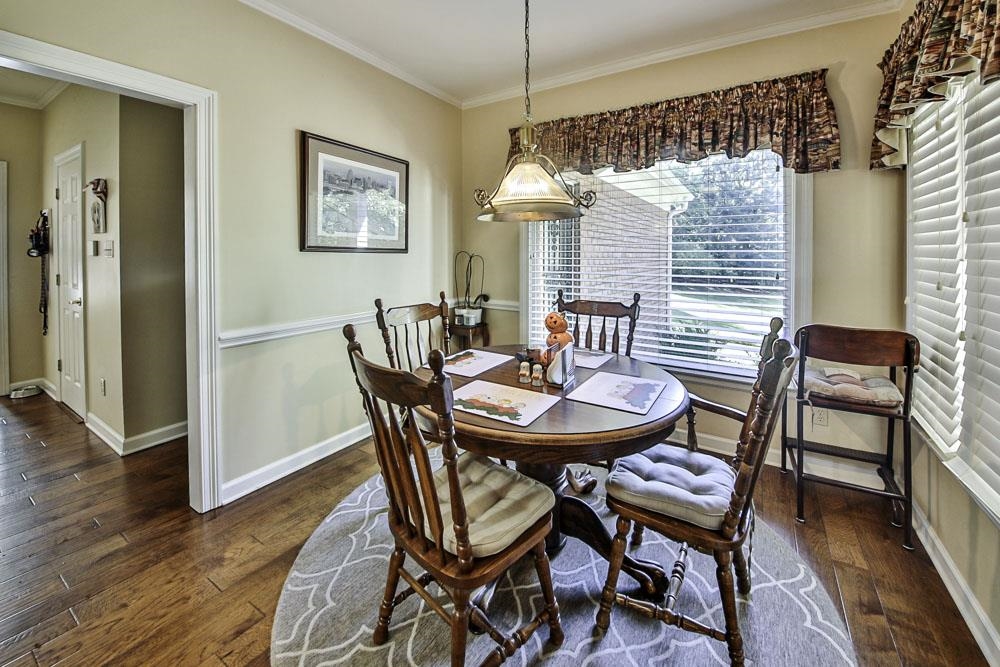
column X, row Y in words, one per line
column 575, row 432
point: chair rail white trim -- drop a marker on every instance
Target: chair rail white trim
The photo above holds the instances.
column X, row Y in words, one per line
column 269, row 332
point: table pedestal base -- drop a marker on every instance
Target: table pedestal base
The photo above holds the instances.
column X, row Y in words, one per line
column 575, row 518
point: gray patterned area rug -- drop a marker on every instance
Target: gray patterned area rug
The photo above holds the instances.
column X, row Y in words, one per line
column 329, row 605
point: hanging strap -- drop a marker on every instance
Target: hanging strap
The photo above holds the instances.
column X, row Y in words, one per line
column 43, row 299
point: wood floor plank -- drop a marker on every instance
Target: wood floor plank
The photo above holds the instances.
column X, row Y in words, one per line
column 870, row 631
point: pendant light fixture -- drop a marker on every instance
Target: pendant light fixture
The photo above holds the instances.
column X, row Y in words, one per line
column 531, row 188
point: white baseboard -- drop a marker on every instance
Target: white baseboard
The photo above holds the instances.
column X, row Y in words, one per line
column 102, row 430
column 158, row 436
column 43, row 383
column 136, row 443
column 272, row 472
column 986, row 634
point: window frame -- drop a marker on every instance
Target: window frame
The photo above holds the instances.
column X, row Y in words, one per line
column 798, row 190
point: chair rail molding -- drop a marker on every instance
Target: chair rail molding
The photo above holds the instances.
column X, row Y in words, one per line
column 269, row 332
column 201, row 124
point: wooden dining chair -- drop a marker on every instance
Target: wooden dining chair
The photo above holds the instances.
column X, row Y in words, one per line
column 740, row 416
column 603, row 311
column 463, row 524
column 410, row 331
column 702, row 502
column 588, row 310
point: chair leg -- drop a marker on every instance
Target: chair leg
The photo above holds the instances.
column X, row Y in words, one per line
column 556, row 635
column 800, row 514
column 385, row 609
column 784, row 437
column 907, row 489
column 724, row 574
column 637, row 533
column 742, row 571
column 459, row 626
column 897, row 519
column 692, row 435
column 614, row 569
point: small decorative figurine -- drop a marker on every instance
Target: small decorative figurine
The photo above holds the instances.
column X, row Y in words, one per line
column 524, row 374
column 557, row 325
column 536, row 376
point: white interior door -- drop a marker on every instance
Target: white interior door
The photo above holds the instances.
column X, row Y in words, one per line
column 69, row 254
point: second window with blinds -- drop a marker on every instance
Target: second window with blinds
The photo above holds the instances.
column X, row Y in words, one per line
column 716, row 248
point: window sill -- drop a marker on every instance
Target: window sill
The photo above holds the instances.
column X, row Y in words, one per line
column 709, row 378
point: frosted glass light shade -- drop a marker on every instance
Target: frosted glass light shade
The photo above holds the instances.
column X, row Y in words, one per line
column 529, row 193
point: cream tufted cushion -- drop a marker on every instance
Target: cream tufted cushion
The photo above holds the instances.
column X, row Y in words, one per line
column 846, row 385
column 500, row 504
column 686, row 485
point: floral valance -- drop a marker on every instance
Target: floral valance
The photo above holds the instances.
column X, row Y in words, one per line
column 943, row 39
column 793, row 116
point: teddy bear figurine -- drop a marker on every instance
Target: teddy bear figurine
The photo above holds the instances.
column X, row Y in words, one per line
column 557, row 325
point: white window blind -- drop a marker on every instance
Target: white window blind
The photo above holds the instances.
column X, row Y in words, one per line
column 954, row 278
column 937, row 292
column 707, row 245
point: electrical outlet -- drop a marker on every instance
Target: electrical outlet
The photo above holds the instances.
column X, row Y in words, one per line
column 104, row 387
column 820, row 417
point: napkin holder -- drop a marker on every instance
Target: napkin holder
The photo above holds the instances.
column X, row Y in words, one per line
column 561, row 371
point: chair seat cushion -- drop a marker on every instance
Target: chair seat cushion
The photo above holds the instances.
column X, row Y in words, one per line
column 500, row 504
column 843, row 384
column 685, row 485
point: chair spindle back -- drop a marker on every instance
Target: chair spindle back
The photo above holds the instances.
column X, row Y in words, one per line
column 603, row 310
column 409, row 331
column 772, row 384
column 389, row 397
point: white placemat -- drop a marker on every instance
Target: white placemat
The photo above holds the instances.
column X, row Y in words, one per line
column 619, row 392
column 591, row 358
column 471, row 363
column 510, row 405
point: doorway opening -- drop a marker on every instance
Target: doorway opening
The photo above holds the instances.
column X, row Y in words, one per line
column 199, row 186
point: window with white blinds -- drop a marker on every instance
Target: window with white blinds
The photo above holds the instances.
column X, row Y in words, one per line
column 708, row 245
column 954, row 278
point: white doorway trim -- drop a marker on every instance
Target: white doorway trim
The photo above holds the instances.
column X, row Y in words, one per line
column 200, row 232
column 4, row 288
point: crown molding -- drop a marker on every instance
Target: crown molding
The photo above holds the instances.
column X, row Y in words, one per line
column 324, row 35
column 33, row 102
column 52, row 93
column 693, row 48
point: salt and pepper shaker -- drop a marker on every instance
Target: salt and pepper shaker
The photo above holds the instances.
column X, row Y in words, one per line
column 524, row 374
column 536, row 375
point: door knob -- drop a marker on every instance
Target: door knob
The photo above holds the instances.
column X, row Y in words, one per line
column 76, row 302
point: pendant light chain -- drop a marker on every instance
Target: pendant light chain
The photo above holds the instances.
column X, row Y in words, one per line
column 527, row 67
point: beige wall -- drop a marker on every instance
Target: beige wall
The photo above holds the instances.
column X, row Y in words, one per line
column 90, row 117
column 272, row 81
column 858, row 233
column 152, row 265
column 20, row 137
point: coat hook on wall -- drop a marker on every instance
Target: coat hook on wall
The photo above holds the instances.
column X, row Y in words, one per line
column 99, row 186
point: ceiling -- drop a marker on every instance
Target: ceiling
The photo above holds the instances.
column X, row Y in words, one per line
column 470, row 52
column 27, row 90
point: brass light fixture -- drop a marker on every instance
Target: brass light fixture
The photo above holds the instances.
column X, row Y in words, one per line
column 531, row 188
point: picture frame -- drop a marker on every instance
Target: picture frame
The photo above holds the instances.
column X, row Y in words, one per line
column 352, row 199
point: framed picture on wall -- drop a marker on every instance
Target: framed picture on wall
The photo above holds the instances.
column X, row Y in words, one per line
column 353, row 199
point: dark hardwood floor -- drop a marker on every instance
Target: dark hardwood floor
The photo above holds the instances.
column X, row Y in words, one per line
column 102, row 561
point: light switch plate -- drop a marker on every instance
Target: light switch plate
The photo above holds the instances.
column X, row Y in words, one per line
column 109, row 248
